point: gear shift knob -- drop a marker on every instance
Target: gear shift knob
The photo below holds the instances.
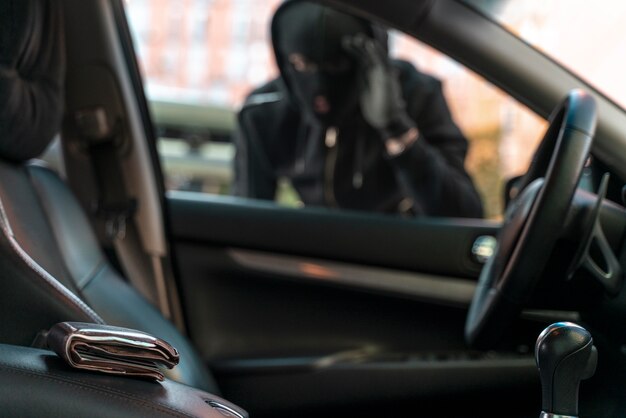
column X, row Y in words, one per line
column 565, row 355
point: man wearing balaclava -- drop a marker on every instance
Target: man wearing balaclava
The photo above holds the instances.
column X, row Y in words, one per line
column 348, row 126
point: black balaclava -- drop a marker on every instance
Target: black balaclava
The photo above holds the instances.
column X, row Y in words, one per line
column 319, row 73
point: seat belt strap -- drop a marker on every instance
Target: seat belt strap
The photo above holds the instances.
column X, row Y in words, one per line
column 102, row 141
column 114, row 209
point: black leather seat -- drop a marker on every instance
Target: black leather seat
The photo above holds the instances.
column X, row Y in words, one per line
column 37, row 383
column 51, row 266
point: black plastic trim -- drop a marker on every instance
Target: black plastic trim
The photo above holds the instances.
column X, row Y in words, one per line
column 427, row 245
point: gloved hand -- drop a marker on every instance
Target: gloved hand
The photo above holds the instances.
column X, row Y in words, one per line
column 381, row 100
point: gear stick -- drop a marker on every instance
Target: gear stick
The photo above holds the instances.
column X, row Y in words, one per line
column 565, row 355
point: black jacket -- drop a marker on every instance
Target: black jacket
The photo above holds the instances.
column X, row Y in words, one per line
column 274, row 140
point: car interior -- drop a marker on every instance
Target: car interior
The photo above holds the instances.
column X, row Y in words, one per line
column 302, row 312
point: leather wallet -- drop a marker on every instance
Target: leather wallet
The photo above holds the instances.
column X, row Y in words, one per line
column 114, row 350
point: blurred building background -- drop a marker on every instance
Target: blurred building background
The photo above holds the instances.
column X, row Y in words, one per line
column 203, row 51
column 213, row 52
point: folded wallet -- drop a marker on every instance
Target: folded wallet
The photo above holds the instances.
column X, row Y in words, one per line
column 113, row 350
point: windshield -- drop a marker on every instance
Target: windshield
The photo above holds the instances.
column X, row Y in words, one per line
column 586, row 37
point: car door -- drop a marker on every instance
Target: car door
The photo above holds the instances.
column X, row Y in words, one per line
column 301, row 308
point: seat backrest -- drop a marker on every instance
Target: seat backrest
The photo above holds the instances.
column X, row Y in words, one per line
column 51, row 266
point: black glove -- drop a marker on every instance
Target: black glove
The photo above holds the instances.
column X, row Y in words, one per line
column 381, row 100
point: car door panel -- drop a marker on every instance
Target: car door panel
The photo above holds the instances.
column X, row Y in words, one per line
column 359, row 306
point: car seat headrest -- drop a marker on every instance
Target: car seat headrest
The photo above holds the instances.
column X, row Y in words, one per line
column 32, row 70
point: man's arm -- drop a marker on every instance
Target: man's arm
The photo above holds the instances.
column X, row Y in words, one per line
column 430, row 167
column 254, row 177
column 426, row 149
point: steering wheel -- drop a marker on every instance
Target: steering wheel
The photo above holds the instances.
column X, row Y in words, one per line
column 533, row 221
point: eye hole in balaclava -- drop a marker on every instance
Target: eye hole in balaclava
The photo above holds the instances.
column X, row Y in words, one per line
column 321, row 75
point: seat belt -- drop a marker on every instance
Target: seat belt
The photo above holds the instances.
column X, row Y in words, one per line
column 113, row 209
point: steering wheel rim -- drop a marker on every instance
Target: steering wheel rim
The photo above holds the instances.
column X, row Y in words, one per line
column 533, row 221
